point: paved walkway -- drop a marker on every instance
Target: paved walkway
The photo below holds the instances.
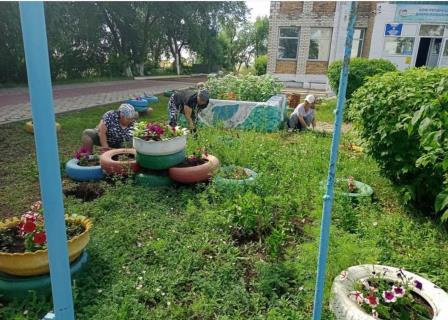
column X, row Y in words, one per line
column 15, row 106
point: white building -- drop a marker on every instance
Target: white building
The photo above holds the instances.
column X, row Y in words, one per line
column 305, row 37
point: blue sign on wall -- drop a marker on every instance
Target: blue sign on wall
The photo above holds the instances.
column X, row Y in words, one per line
column 393, row 29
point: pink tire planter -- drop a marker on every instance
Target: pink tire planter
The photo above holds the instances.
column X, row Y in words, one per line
column 195, row 174
column 112, row 165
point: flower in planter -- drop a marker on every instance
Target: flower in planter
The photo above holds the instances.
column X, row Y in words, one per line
column 156, row 131
column 398, row 291
column 389, row 296
column 357, row 296
column 351, row 185
column 375, row 314
column 418, row 284
column 31, row 228
column 372, row 301
column 39, row 238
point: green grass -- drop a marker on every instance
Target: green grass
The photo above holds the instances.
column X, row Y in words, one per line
column 206, row 253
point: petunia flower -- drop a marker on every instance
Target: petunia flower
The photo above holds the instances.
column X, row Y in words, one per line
column 357, row 296
column 398, row 291
column 39, row 238
column 28, row 227
column 374, row 314
column 29, row 216
column 372, row 301
column 389, row 296
column 418, row 284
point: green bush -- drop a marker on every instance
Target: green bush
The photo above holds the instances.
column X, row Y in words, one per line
column 360, row 70
column 261, row 64
column 243, row 88
column 404, row 120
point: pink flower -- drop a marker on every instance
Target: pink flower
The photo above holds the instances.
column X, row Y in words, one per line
column 374, row 314
column 398, row 291
column 36, row 206
column 372, row 301
column 389, row 296
column 82, row 152
column 357, row 296
column 29, row 216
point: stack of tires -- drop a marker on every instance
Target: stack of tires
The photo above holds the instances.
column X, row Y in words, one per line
column 156, row 157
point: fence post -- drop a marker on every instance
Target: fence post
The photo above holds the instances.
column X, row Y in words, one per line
column 328, row 197
column 41, row 97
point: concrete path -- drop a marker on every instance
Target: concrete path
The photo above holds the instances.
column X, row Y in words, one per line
column 15, row 106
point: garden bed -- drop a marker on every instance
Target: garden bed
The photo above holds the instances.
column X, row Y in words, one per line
column 174, row 253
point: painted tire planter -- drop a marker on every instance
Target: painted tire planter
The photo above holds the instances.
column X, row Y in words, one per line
column 36, row 262
column 251, row 176
column 141, row 109
column 344, row 308
column 153, row 179
column 192, row 175
column 30, row 129
column 160, row 148
column 138, row 103
column 13, row 287
column 160, row 162
column 151, row 99
column 83, row 173
column 365, row 190
column 115, row 167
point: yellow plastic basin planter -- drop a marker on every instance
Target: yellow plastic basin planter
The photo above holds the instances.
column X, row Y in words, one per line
column 29, row 127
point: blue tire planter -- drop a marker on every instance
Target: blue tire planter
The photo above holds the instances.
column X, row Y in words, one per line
column 160, row 162
column 151, row 99
column 224, row 182
column 138, row 103
column 80, row 173
column 153, row 179
column 12, row 287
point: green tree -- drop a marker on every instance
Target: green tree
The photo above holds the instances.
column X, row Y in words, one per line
column 261, row 36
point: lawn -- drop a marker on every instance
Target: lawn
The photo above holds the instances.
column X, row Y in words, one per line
column 206, row 253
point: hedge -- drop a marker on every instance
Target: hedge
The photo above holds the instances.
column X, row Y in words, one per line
column 403, row 118
column 359, row 70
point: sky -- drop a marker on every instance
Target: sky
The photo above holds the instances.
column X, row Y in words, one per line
column 258, row 8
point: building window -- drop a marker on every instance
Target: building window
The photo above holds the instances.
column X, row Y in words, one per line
column 288, row 43
column 394, row 46
column 320, row 44
column 432, row 30
column 358, row 42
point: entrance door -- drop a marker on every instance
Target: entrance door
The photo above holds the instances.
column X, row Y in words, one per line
column 434, row 52
column 422, row 53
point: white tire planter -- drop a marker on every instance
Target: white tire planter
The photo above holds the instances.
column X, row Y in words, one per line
column 160, row 148
column 345, row 308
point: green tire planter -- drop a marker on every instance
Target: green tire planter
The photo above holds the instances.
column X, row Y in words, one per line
column 224, row 182
column 169, row 93
column 14, row 287
column 160, row 162
column 153, row 179
column 364, row 190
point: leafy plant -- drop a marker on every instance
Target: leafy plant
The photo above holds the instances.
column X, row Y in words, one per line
column 261, row 64
column 360, row 70
column 404, row 121
column 243, row 88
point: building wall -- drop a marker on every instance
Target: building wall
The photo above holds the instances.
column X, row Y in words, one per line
column 306, row 15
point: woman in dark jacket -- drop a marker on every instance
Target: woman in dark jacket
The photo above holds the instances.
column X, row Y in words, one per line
column 189, row 104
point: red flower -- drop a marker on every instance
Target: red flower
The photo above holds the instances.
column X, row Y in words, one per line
column 39, row 238
column 29, row 227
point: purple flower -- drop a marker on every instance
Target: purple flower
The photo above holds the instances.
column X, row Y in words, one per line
column 389, row 296
column 398, row 291
column 418, row 284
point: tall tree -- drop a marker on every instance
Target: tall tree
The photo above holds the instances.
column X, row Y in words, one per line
column 261, row 36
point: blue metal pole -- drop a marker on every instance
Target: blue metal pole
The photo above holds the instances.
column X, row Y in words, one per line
column 39, row 84
column 328, row 197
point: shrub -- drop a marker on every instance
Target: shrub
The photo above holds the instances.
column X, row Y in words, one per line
column 360, row 70
column 261, row 64
column 404, row 120
column 244, row 88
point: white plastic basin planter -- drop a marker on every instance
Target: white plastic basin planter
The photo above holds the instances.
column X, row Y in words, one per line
column 160, row 148
column 345, row 308
column 364, row 190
